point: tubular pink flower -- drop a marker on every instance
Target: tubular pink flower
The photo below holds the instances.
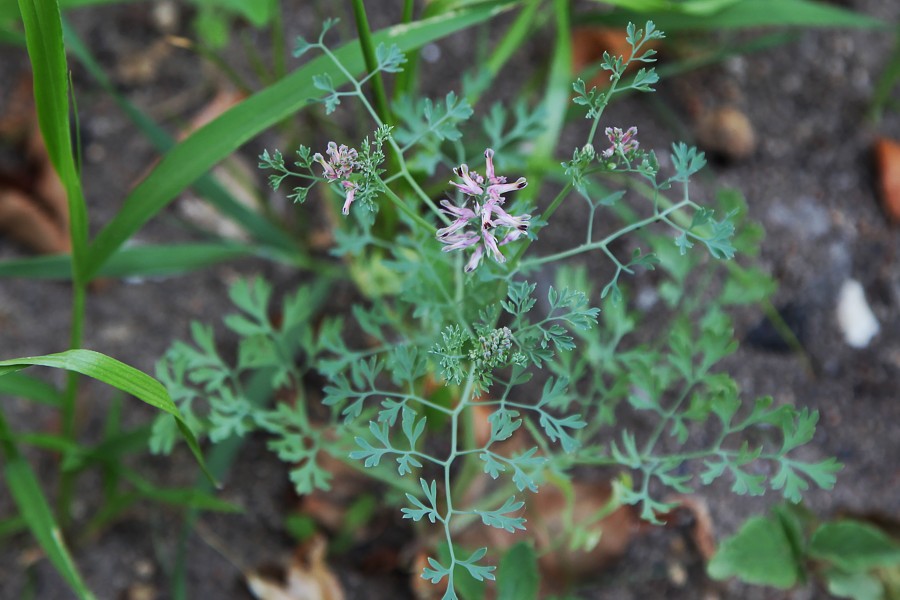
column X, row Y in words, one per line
column 460, row 241
column 475, row 260
column 462, row 214
column 339, row 167
column 471, row 182
column 504, row 219
column 351, row 194
column 329, row 172
column 489, row 169
column 497, row 190
column 490, row 242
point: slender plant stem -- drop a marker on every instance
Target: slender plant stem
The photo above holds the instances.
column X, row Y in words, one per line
column 69, row 429
column 602, row 244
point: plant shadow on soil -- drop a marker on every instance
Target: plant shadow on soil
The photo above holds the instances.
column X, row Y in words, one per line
column 809, row 183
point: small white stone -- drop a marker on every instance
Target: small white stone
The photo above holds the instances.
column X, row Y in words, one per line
column 855, row 318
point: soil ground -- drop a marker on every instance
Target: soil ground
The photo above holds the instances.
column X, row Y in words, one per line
column 810, row 182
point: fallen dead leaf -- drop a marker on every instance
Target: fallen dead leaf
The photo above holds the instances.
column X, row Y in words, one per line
column 887, row 158
column 34, row 209
column 692, row 516
column 573, row 542
column 22, row 220
column 308, row 577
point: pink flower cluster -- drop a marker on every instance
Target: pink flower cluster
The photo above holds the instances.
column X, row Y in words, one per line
column 339, row 166
column 478, row 227
column 624, row 144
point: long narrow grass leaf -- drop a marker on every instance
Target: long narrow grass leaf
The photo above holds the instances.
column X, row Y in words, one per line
column 135, row 261
column 44, row 39
column 746, row 14
column 35, row 512
column 117, row 374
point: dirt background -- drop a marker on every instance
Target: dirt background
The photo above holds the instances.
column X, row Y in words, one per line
column 810, row 182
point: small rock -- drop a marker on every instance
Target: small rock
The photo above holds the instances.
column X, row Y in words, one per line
column 855, row 318
column 165, row 16
column 726, row 132
column 140, row 591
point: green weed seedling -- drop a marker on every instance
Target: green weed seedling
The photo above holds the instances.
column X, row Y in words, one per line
column 454, row 322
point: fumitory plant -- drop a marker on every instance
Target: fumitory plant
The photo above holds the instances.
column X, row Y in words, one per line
column 458, row 321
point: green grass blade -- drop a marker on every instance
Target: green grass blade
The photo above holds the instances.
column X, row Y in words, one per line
column 35, row 511
column 556, row 97
column 137, row 261
column 44, row 39
column 517, row 35
column 746, row 14
column 190, row 159
column 189, row 497
column 120, row 376
column 20, row 385
column 33, row 506
column 8, row 9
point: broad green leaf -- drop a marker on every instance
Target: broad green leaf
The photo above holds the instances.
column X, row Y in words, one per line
column 517, row 577
column 190, row 159
column 858, row 586
column 854, row 546
column 759, row 553
column 117, row 374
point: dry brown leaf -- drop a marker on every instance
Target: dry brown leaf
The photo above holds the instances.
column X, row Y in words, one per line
column 887, row 157
column 548, row 519
column 692, row 515
column 34, row 208
column 47, row 186
column 22, row 220
column 18, row 114
column 308, row 577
